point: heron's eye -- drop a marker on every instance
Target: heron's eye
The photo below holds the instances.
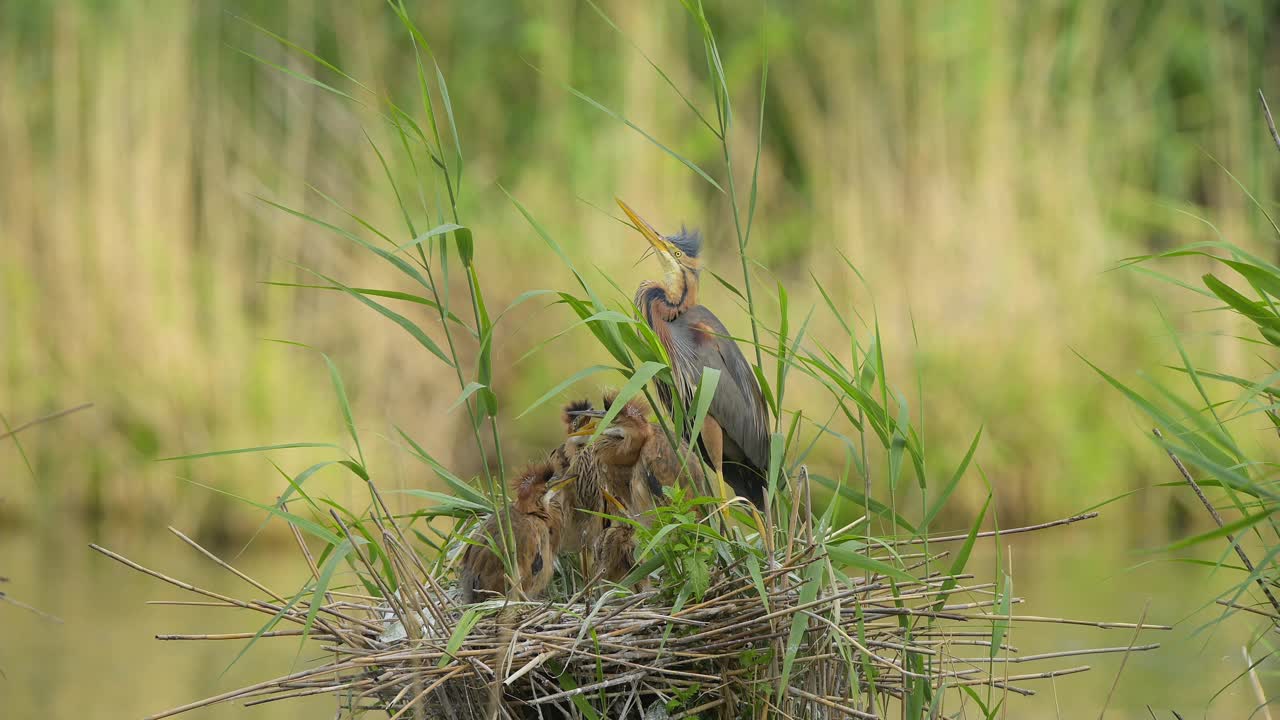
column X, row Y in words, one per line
column 677, row 254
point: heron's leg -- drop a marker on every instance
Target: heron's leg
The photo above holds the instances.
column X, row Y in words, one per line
column 580, row 530
column 713, row 441
column 587, row 555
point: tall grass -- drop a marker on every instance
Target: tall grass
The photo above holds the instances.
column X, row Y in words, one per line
column 978, row 165
column 830, row 395
column 1218, row 428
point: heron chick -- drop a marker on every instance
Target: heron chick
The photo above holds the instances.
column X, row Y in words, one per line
column 639, row 459
column 535, row 521
column 575, row 415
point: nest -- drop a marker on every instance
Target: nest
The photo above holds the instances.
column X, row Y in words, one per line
column 790, row 636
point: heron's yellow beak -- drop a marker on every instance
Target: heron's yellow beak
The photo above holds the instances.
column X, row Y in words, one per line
column 560, row 483
column 655, row 238
column 587, row 430
column 622, row 509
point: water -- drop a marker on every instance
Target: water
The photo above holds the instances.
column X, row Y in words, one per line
column 102, row 661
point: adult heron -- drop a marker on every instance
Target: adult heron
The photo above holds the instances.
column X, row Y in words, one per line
column 735, row 436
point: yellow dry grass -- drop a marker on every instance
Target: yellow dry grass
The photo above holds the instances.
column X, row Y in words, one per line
column 981, row 166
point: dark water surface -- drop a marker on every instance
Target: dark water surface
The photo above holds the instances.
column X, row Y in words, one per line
column 102, row 661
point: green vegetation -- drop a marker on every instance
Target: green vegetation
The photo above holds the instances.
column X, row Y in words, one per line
column 430, row 215
column 817, row 589
column 1221, row 441
column 979, row 165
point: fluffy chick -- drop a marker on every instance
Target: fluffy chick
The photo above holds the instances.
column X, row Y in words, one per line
column 536, row 519
column 642, row 461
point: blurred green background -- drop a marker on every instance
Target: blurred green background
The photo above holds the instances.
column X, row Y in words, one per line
column 982, row 163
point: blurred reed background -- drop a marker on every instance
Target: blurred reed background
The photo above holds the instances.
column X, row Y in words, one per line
column 982, row 163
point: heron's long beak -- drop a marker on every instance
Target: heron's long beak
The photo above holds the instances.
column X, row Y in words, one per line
column 588, row 430
column 622, row 509
column 589, row 412
column 654, row 237
column 558, row 484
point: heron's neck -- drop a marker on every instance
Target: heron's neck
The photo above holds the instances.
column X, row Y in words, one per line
column 668, row 299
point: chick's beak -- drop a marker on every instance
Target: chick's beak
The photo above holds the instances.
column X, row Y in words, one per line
column 655, row 238
column 559, row 484
column 587, row 430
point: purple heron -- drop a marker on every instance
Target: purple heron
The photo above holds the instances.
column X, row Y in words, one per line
column 734, row 439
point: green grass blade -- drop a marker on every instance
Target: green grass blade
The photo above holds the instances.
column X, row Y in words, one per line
column 562, row 385
column 757, row 579
column 242, row 451
column 450, row 503
column 275, row 620
column 799, row 622
column 860, row 500
column 726, row 284
column 469, row 619
column 852, row 557
column 445, row 474
column 311, row 527
column 389, row 294
column 299, row 76
column 962, row 555
column 665, row 78
column 1000, row 627
column 620, row 118
column 299, row 49
column 755, row 167
column 433, row 232
column 405, row 323
column 398, row 262
column 395, row 187
column 702, row 397
column 1255, row 311
column 467, row 392
column 777, row 445
column 340, row 390
column 453, row 125
column 322, row 583
column 634, row 385
column 941, row 500
column 555, row 247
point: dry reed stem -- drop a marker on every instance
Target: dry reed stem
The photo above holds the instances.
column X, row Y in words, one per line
column 1213, row 512
column 1000, row 533
column 45, row 419
column 629, row 651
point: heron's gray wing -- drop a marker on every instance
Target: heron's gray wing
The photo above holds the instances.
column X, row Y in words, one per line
column 738, row 404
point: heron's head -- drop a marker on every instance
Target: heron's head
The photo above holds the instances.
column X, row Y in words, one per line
column 574, row 415
column 620, row 443
column 534, row 485
column 681, row 252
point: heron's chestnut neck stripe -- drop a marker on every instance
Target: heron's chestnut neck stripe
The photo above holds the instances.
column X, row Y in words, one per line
column 671, row 299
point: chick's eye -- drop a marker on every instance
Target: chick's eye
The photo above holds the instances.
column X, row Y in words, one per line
column 678, row 253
